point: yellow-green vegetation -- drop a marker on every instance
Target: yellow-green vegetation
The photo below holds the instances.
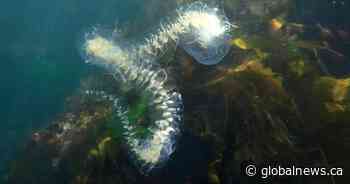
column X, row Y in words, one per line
column 256, row 44
column 251, row 74
column 297, row 68
column 106, row 151
column 300, row 74
column 103, row 149
column 256, row 102
column 213, row 176
column 240, row 43
column 331, row 99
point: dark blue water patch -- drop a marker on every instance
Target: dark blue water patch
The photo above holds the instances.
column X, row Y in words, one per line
column 40, row 62
column 325, row 12
column 44, row 28
column 33, row 93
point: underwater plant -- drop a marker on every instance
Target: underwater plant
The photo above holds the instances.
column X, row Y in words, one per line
column 200, row 30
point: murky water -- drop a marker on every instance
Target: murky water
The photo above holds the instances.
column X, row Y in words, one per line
column 43, row 67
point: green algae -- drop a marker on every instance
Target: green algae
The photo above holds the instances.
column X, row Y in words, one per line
column 139, row 116
column 138, row 109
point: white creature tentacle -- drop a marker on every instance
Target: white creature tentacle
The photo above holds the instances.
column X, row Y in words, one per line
column 200, row 30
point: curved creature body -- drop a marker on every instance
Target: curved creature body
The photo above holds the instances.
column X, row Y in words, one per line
column 203, row 33
column 165, row 104
column 201, row 30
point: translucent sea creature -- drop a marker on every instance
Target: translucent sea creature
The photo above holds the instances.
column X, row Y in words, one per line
column 203, row 32
column 148, row 81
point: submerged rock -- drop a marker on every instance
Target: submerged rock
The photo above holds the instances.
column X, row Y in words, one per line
column 76, row 148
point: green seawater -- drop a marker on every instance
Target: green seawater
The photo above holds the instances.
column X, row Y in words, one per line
column 41, row 62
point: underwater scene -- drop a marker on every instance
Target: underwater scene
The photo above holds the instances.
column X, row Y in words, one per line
column 175, row 92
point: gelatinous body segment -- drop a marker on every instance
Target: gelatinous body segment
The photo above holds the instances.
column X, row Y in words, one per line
column 156, row 148
column 164, row 105
column 206, row 34
column 201, row 30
